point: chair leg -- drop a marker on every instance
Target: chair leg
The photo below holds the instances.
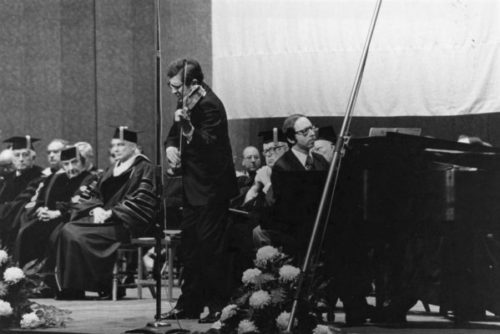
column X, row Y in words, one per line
column 114, row 283
column 170, row 259
column 140, row 272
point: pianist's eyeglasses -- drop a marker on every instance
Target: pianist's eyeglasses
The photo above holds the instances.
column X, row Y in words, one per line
column 306, row 130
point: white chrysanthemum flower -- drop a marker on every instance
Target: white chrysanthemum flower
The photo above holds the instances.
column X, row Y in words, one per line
column 30, row 320
column 246, row 326
column 13, row 275
column 282, row 320
column 289, row 273
column 250, row 276
column 259, row 299
column 3, row 256
column 5, row 308
column 217, row 325
column 4, row 289
column 266, row 254
column 228, row 312
column 322, row 329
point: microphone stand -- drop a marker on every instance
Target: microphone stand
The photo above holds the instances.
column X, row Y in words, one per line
column 160, row 224
column 333, row 174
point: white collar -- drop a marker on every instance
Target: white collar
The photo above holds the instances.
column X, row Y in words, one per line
column 301, row 156
column 120, row 168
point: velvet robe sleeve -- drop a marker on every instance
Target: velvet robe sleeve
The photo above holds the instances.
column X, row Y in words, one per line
column 137, row 209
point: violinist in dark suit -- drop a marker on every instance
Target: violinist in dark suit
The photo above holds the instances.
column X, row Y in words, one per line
column 198, row 145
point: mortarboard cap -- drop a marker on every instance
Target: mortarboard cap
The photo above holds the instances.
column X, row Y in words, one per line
column 327, row 133
column 123, row 133
column 19, row 143
column 69, row 153
column 272, row 135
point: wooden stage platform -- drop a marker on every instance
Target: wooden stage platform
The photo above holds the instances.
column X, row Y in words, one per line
column 107, row 317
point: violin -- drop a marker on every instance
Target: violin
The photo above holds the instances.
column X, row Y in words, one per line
column 186, row 103
column 190, row 100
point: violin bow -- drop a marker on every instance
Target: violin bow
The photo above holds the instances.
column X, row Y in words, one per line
column 184, row 76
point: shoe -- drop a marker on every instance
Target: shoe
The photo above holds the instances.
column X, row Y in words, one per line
column 210, row 318
column 108, row 295
column 176, row 313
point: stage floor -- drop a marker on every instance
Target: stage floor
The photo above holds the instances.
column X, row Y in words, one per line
column 108, row 317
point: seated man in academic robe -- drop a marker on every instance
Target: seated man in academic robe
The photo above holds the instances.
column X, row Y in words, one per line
column 123, row 205
column 51, row 207
column 13, row 196
column 54, row 156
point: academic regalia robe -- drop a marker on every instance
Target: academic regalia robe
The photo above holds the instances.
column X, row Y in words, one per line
column 57, row 193
column 86, row 252
column 15, row 184
column 17, row 191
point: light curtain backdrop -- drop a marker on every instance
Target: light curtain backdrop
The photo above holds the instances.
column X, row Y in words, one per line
column 428, row 57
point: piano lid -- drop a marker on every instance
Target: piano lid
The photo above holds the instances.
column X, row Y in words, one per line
column 431, row 149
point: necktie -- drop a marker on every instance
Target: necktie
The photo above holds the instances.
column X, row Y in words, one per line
column 309, row 163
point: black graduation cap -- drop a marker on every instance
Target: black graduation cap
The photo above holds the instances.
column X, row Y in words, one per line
column 327, row 133
column 69, row 153
column 124, row 133
column 19, row 143
column 272, row 135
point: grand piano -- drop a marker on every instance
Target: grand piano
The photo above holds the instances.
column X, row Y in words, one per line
column 421, row 217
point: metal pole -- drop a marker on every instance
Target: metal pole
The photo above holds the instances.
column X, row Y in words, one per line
column 159, row 164
column 332, row 175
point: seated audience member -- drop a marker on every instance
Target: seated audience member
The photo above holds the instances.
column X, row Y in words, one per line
column 256, row 200
column 87, row 152
column 273, row 147
column 325, row 142
column 54, row 156
column 13, row 195
column 6, row 163
column 123, row 205
column 23, row 159
column 51, row 207
column 245, row 178
column 250, row 162
column 6, row 166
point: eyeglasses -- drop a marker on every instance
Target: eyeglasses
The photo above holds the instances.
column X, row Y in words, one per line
column 273, row 150
column 306, row 130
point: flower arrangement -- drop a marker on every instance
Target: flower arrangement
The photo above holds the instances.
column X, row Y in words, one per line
column 264, row 301
column 16, row 310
